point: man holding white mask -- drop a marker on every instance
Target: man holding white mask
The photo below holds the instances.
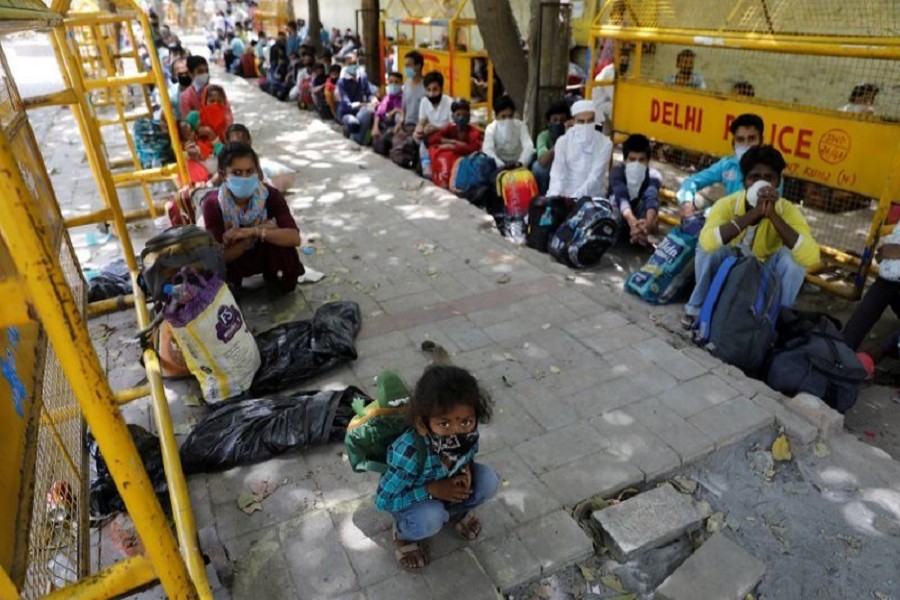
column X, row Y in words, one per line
column 746, row 132
column 759, row 222
column 581, row 162
column 506, row 139
column 634, row 189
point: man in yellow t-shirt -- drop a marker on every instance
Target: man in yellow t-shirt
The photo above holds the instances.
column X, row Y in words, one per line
column 755, row 220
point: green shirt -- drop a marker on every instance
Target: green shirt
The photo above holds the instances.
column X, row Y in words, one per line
column 545, row 143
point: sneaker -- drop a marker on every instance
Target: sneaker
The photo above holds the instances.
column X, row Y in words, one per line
column 688, row 322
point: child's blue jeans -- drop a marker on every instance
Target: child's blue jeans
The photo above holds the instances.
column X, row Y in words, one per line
column 424, row 519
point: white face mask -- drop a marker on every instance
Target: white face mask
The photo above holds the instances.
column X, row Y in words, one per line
column 753, row 192
column 634, row 177
column 201, row 80
column 583, row 134
column 505, row 128
column 740, row 150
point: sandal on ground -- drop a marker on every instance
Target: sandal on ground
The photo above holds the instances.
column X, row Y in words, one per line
column 468, row 526
column 688, row 322
column 410, row 555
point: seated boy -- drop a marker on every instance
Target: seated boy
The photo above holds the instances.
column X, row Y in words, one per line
column 557, row 116
column 354, row 103
column 452, row 142
column 771, row 228
column 506, row 139
column 634, row 189
column 390, row 106
column 435, row 109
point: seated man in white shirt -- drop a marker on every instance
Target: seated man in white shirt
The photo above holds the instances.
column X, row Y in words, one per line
column 581, row 161
column 507, row 139
column 435, row 108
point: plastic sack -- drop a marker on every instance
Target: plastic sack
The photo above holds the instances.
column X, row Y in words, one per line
column 105, row 498
column 247, row 431
column 214, row 338
column 112, row 281
column 295, row 351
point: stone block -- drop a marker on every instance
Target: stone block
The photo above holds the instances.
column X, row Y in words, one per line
column 649, row 520
column 556, row 541
column 689, row 442
column 560, row 446
column 458, row 575
column 798, row 429
column 596, row 474
column 326, row 571
column 696, row 395
column 732, row 421
column 522, row 495
column 507, row 561
column 669, row 359
column 827, row 420
column 402, row 585
column 631, row 442
column 719, row 570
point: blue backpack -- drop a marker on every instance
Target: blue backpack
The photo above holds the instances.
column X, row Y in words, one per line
column 472, row 171
column 738, row 318
column 583, row 239
column 668, row 271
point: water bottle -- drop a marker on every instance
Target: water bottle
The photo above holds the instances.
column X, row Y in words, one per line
column 515, row 229
column 425, row 159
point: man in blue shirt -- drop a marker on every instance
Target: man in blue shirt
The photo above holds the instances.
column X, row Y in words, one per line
column 293, row 40
column 354, row 103
column 746, row 132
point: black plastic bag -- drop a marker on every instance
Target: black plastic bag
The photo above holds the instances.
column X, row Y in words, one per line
column 112, row 281
column 105, row 498
column 247, row 431
column 296, row 351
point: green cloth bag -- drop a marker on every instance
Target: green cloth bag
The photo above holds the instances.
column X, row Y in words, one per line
column 377, row 424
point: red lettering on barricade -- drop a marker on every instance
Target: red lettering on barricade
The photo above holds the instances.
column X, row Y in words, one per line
column 655, row 110
column 834, row 146
column 667, row 113
column 781, row 143
column 729, row 119
column 804, row 141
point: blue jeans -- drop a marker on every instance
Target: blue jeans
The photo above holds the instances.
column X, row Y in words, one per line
column 359, row 125
column 425, row 519
column 789, row 273
column 542, row 176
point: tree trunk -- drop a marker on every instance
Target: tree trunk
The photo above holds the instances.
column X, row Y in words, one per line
column 315, row 26
column 504, row 45
column 548, row 44
column 371, row 41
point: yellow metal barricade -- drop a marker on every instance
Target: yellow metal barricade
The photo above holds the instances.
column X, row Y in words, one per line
column 447, row 36
column 796, row 65
column 271, row 16
column 53, row 386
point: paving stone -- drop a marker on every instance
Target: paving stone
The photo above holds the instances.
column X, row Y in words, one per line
column 799, row 429
column 596, row 474
column 696, row 395
column 649, row 520
column 556, row 541
column 702, row 357
column 511, row 422
column 732, row 421
column 263, row 575
column 610, row 341
column 365, row 534
column 507, row 560
column 600, row 399
column 545, row 407
column 402, row 585
column 631, row 442
column 669, row 359
column 522, row 495
column 321, row 573
column 718, row 570
column 560, row 446
column 689, row 442
column 459, row 575
column 827, row 420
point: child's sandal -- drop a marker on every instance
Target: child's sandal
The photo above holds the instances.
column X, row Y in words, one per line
column 468, row 527
column 410, row 555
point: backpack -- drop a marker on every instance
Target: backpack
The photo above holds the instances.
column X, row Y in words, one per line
column 151, row 143
column 737, row 320
column 471, row 172
column 583, row 239
column 405, row 150
column 517, row 187
column 377, row 424
column 175, row 248
column 668, row 272
column 545, row 215
column 811, row 356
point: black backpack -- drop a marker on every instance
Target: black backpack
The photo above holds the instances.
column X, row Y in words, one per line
column 175, row 248
column 545, row 215
column 585, row 236
column 811, row 356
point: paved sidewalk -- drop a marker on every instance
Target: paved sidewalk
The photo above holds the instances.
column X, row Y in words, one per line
column 593, row 392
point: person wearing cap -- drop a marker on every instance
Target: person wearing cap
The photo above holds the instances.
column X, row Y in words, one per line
column 755, row 221
column 862, row 99
column 581, row 157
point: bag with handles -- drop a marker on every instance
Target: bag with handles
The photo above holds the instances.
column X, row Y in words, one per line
column 471, row 172
column 583, row 239
column 545, row 215
column 668, row 272
column 175, row 248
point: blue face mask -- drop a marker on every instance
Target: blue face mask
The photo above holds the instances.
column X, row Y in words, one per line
column 394, row 89
column 351, row 70
column 242, row 187
column 461, row 121
column 557, row 129
column 409, row 72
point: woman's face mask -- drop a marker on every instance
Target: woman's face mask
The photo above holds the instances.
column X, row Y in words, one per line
column 242, row 187
column 200, row 80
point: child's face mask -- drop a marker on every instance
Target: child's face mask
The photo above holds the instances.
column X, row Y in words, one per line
column 452, row 447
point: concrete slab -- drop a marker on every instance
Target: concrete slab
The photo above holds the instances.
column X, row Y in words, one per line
column 649, row 520
column 555, row 540
column 600, row 473
column 827, row 420
column 732, row 421
column 719, row 570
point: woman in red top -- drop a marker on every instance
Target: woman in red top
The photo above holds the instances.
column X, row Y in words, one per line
column 453, row 142
column 252, row 220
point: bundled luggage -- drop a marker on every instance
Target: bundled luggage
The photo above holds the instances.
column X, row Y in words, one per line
column 152, row 143
column 545, row 215
column 586, row 235
column 175, row 248
column 668, row 272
